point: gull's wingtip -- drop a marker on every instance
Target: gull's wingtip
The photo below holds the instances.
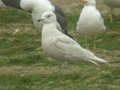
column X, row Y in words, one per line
column 102, row 60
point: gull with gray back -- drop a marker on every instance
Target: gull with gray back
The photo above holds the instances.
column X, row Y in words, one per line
column 60, row 46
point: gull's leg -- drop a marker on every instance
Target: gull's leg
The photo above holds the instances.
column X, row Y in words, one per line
column 65, row 64
column 111, row 18
column 86, row 42
column 62, row 67
column 94, row 43
column 59, row 70
column 111, row 15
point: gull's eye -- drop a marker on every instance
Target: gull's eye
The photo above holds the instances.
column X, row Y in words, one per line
column 48, row 16
column 39, row 20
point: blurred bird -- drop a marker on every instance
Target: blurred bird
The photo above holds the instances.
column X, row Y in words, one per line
column 36, row 8
column 90, row 21
column 112, row 4
column 1, row 3
column 61, row 46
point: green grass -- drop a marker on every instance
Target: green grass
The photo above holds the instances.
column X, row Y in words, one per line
column 24, row 65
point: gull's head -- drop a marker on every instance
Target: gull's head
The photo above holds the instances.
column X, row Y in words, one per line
column 47, row 17
column 89, row 2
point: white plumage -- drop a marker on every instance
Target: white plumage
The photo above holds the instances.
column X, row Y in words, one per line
column 1, row 3
column 60, row 46
column 37, row 7
column 90, row 21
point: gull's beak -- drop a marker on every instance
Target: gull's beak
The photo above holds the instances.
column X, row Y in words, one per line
column 40, row 20
column 84, row 1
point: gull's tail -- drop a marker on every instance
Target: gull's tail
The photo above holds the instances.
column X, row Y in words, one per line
column 101, row 60
column 91, row 57
column 97, row 59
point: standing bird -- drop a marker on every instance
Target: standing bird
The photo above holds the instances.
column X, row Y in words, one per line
column 36, row 8
column 90, row 21
column 112, row 4
column 60, row 46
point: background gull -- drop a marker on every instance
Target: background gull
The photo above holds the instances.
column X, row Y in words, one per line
column 11, row 3
column 1, row 3
column 90, row 21
column 36, row 8
column 112, row 4
column 60, row 46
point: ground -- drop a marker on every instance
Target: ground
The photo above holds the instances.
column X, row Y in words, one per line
column 25, row 66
